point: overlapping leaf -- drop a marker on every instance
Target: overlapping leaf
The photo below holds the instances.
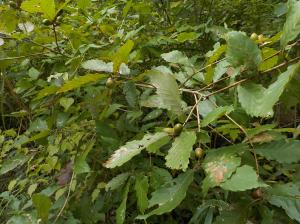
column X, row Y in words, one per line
column 178, row 156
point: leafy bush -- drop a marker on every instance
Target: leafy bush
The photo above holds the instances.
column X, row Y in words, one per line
column 149, row 111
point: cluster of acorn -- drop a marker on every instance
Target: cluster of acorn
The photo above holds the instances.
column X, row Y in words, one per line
column 260, row 37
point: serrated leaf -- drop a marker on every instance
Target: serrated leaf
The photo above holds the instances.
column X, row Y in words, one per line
column 291, row 28
column 259, row 101
column 141, row 188
column 176, row 57
column 131, row 149
column 80, row 81
column 120, row 212
column 244, row 178
column 242, row 51
column 216, row 114
column 98, row 65
column 283, row 151
column 117, row 181
column 121, row 56
column 169, row 197
column 42, row 204
column 168, row 95
column 179, row 154
column 286, row 196
column 130, row 92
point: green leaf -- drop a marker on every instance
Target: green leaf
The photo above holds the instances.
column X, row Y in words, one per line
column 259, row 101
column 47, row 7
column 141, row 188
column 185, row 36
column 179, row 154
column 131, row 94
column 13, row 162
column 121, row 56
column 131, row 149
column 38, row 124
column 42, row 204
column 216, row 114
column 46, row 92
column 245, row 178
column 120, row 212
column 167, row 90
column 170, row 196
column 81, row 166
column 216, row 55
column 242, row 51
column 283, row 151
column 8, row 21
column 80, row 81
column 176, row 57
column 31, row 189
column 98, row 65
column 66, row 102
column 286, row 196
column 117, row 181
column 271, row 62
column 83, row 4
column 291, row 28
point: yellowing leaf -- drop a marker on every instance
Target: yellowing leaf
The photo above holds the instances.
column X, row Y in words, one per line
column 121, row 56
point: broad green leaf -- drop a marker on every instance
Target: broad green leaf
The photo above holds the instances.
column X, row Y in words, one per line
column 167, row 90
column 283, row 151
column 218, row 168
column 42, row 204
column 38, row 124
column 120, row 212
column 216, row 114
column 80, row 81
column 98, row 65
column 170, row 196
column 8, row 21
column 259, row 101
column 141, row 188
column 131, row 93
column 83, row 4
column 66, row 102
column 47, row 7
column 176, row 57
column 81, row 166
column 153, row 115
column 185, row 36
column 121, row 56
column 244, row 178
column 242, row 51
column 32, row 189
column 291, row 28
column 269, row 63
column 286, row 196
column 131, row 149
column 13, row 162
column 117, row 181
column 179, row 154
column 215, row 56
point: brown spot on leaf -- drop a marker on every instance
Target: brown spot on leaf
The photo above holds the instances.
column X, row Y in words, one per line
column 65, row 174
column 217, row 171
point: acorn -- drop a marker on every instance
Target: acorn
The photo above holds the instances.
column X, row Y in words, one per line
column 257, row 194
column 261, row 38
column 199, row 152
column 178, row 129
column 110, row 83
column 169, row 131
column 253, row 36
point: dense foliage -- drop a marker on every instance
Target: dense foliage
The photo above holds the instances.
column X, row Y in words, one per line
column 139, row 111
